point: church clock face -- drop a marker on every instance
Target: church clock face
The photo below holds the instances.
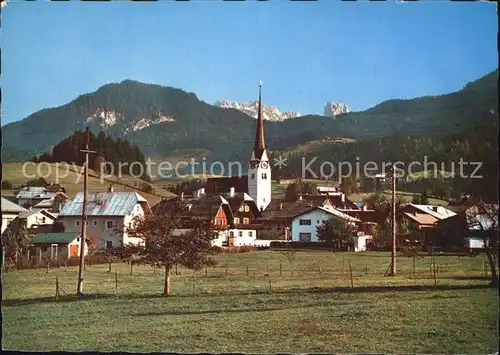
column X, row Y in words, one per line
column 264, row 164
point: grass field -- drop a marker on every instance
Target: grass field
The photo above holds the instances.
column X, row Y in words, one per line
column 311, row 311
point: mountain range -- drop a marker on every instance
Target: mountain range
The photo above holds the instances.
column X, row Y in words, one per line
column 251, row 108
column 162, row 120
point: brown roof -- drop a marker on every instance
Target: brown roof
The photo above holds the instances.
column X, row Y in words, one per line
column 422, row 219
column 236, row 201
column 367, row 216
column 287, row 210
column 224, row 184
column 206, row 206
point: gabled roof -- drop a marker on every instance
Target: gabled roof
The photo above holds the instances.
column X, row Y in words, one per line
column 486, row 219
column 224, row 184
column 436, row 211
column 337, row 213
column 54, row 238
column 9, row 206
column 236, row 201
column 30, row 192
column 422, row 218
column 285, row 210
column 35, row 211
column 103, row 204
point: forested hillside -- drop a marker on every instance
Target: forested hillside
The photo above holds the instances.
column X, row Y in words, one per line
column 162, row 119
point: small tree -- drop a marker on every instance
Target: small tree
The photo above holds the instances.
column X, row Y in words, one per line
column 483, row 218
column 17, row 244
column 336, row 233
column 289, row 253
column 163, row 245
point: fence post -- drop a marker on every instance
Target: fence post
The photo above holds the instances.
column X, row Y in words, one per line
column 270, row 286
column 320, row 270
column 57, row 288
column 65, row 264
column 342, row 265
column 193, row 282
column 116, row 283
column 247, row 270
column 281, row 269
column 366, row 270
column 206, row 271
column 176, row 272
column 48, row 266
column 350, row 273
column 267, row 268
column 414, row 277
column 226, row 270
column 434, row 269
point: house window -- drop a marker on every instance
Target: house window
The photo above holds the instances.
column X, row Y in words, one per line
column 305, row 222
column 247, row 208
column 253, row 176
column 318, row 221
column 78, row 239
column 240, row 234
column 43, row 220
column 59, row 249
column 215, row 221
column 222, row 222
column 250, row 233
column 245, row 220
column 109, row 224
column 109, row 244
column 264, row 176
column 236, row 220
column 94, row 223
column 77, row 223
column 241, row 209
column 305, row 237
column 44, row 249
column 231, row 234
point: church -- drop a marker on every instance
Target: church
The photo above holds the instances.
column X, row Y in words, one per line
column 257, row 183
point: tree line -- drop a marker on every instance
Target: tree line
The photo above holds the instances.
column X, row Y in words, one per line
column 108, row 149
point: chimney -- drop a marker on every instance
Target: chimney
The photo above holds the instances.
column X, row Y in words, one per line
column 111, row 188
column 231, row 191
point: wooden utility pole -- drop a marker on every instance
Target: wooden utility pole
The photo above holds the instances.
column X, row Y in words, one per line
column 393, row 222
column 83, row 237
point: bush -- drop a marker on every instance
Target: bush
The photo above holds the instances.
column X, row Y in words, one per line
column 7, row 185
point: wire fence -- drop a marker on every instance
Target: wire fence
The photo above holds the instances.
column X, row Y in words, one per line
column 225, row 279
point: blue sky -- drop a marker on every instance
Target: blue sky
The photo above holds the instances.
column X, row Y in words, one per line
column 358, row 53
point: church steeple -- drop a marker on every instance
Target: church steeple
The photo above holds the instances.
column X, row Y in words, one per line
column 260, row 144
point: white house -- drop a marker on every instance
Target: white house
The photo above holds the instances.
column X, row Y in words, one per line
column 34, row 218
column 108, row 216
column 10, row 211
column 304, row 225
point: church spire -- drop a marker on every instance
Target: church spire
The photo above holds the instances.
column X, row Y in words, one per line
column 260, row 144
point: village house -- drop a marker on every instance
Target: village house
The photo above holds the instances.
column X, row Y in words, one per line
column 304, row 224
column 467, row 229
column 56, row 246
column 438, row 212
column 233, row 215
column 40, row 197
column 10, row 211
column 108, row 216
column 34, row 220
